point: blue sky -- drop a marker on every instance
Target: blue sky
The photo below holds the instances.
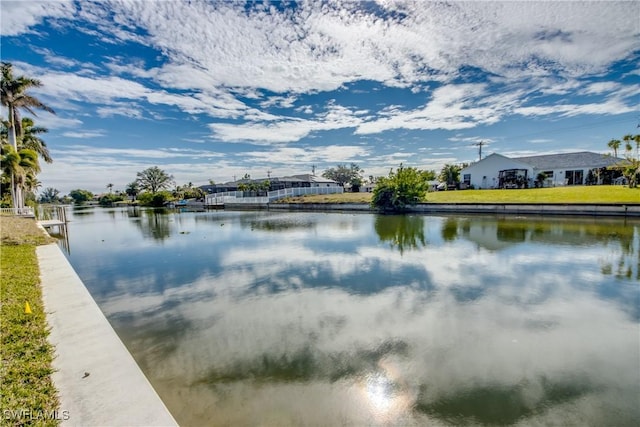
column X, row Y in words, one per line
column 212, row 90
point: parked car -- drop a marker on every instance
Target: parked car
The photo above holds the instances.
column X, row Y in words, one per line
column 621, row 180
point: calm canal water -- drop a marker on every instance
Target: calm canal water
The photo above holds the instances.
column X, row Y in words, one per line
column 327, row 319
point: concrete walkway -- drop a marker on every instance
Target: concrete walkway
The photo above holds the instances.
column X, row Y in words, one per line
column 98, row 380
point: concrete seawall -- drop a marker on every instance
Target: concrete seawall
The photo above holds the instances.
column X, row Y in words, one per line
column 364, row 207
column 98, row 381
column 582, row 209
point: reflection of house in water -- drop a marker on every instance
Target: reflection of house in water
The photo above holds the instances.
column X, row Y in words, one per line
column 495, row 234
column 488, row 235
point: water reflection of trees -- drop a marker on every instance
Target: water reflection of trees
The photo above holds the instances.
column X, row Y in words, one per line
column 501, row 404
column 402, row 232
column 83, row 210
column 277, row 224
column 449, row 230
column 154, row 223
column 499, row 233
column 628, row 265
column 306, row 364
column 133, row 212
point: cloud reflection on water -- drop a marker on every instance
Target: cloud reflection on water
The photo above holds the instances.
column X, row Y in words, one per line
column 485, row 325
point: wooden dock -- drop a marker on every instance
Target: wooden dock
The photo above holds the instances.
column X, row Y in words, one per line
column 48, row 223
column 57, row 218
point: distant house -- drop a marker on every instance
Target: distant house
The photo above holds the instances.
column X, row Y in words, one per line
column 275, row 183
column 367, row 187
column 304, row 180
column 550, row 170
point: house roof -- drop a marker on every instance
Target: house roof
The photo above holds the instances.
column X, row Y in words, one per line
column 312, row 178
column 583, row 159
column 504, row 161
column 293, row 178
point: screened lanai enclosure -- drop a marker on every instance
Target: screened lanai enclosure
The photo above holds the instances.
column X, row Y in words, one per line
column 513, row 178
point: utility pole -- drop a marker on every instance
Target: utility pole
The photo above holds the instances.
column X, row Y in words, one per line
column 479, row 145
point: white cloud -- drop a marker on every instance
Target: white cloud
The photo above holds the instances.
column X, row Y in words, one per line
column 50, row 121
column 307, row 155
column 166, row 153
column 320, row 47
column 610, row 107
column 81, row 166
column 283, row 129
column 279, row 101
column 125, row 110
column 323, row 46
column 20, row 16
column 452, row 107
column 85, row 134
column 601, row 87
column 61, row 90
column 216, row 55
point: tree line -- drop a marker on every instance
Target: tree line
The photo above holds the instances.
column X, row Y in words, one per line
column 150, row 188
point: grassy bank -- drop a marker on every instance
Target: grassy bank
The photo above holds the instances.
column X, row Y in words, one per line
column 579, row 194
column 28, row 396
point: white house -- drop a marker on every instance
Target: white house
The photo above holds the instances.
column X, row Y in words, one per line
column 487, row 173
column 497, row 171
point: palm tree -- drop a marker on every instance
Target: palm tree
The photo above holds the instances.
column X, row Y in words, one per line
column 450, row 174
column 32, row 141
column 628, row 139
column 630, row 167
column 132, row 189
column 633, row 168
column 22, row 166
column 14, row 96
column 50, row 195
column 4, row 132
column 614, row 144
column 29, row 138
column 32, row 184
column 110, row 187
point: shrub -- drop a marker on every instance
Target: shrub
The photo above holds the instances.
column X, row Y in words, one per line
column 80, row 196
column 110, row 199
column 157, row 199
column 401, row 189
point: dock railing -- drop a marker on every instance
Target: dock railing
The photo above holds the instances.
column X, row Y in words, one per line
column 302, row 191
column 237, row 197
column 26, row 211
column 56, row 213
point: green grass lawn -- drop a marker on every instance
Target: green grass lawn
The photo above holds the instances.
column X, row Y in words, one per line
column 25, row 373
column 578, row 194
